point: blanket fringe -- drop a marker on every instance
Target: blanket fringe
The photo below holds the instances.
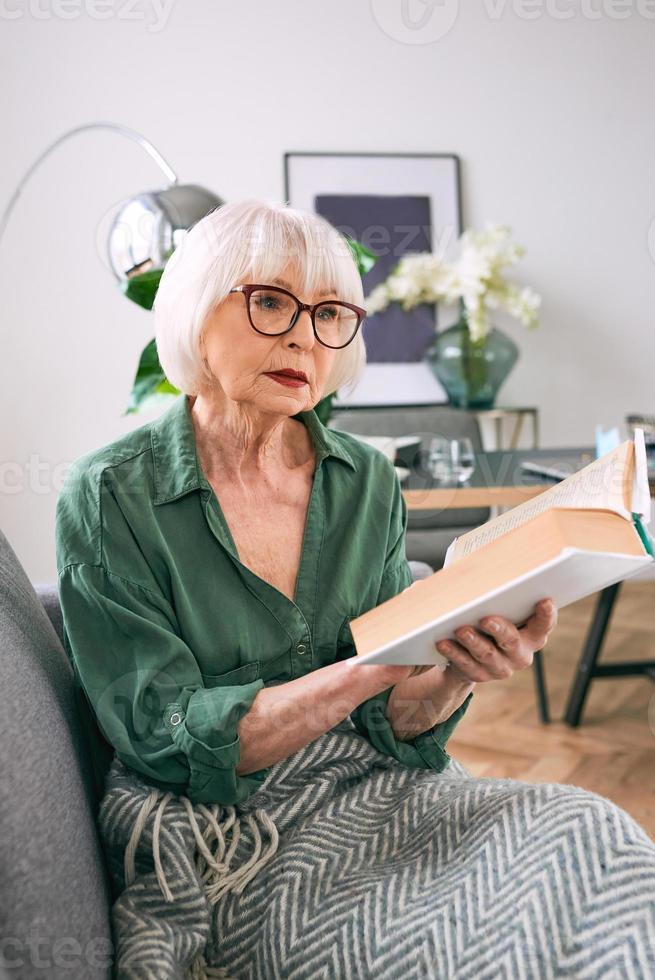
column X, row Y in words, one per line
column 214, row 869
column 200, row 971
column 212, row 862
column 213, row 866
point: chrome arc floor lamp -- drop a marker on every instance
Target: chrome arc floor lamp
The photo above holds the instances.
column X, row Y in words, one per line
column 148, row 226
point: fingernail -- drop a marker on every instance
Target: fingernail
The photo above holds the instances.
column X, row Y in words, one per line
column 493, row 626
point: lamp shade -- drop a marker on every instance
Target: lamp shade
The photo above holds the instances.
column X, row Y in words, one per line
column 148, row 227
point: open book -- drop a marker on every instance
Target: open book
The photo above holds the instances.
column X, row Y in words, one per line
column 577, row 537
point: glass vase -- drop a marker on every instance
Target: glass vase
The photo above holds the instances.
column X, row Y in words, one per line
column 471, row 371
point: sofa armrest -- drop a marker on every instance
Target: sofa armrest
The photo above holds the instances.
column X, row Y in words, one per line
column 49, row 596
column 420, row 569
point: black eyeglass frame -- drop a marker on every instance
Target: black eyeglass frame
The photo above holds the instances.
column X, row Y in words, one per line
column 248, row 288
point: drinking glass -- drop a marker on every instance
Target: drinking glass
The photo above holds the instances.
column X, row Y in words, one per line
column 439, row 460
column 451, row 460
column 463, row 458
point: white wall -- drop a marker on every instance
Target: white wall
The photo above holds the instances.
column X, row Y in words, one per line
column 550, row 113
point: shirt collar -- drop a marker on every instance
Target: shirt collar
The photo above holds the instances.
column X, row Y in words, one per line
column 176, row 467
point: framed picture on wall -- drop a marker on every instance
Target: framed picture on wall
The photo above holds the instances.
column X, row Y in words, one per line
column 393, row 203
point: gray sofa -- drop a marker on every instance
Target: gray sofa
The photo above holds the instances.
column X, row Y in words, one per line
column 56, row 893
column 54, row 911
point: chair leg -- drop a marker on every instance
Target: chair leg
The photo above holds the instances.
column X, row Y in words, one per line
column 590, row 654
column 540, row 685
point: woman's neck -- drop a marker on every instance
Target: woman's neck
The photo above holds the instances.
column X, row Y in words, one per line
column 247, row 445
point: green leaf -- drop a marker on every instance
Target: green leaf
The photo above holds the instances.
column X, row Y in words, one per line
column 142, row 289
column 151, row 386
column 363, row 256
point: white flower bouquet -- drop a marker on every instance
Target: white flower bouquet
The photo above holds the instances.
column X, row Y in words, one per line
column 475, row 279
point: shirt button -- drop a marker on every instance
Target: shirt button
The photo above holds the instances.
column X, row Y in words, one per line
column 301, row 648
column 176, row 718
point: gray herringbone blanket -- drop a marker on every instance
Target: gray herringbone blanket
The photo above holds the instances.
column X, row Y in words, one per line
column 346, row 864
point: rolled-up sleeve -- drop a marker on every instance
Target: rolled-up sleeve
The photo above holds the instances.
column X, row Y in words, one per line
column 427, row 750
column 146, row 691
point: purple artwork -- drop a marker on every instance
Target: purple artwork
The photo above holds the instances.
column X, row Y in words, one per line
column 389, row 226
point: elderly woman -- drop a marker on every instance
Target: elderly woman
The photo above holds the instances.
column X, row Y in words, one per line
column 209, row 564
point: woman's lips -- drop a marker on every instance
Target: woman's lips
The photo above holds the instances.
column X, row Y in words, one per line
column 286, row 379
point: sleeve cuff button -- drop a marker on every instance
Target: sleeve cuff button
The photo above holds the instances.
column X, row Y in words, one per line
column 176, row 718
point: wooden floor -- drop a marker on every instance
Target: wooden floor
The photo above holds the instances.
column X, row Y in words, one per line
column 612, row 752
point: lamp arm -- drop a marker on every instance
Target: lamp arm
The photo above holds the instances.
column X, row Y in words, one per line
column 114, row 127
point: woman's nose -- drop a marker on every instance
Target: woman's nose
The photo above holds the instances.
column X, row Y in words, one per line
column 302, row 328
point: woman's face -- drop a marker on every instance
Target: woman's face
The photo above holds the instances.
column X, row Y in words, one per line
column 239, row 357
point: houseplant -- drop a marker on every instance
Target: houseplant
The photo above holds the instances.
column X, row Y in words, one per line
column 472, row 358
column 150, row 385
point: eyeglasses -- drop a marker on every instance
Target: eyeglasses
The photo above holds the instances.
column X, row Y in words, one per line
column 273, row 311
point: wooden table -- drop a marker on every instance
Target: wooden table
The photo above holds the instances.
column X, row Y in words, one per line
column 498, row 480
column 466, row 496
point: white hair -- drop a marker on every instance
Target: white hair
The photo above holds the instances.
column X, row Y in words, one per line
column 250, row 241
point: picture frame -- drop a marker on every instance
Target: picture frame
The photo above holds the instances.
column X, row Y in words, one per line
column 393, row 203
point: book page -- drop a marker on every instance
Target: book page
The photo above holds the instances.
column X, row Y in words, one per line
column 641, row 503
column 605, row 484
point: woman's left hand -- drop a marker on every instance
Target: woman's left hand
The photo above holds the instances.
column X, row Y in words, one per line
column 486, row 654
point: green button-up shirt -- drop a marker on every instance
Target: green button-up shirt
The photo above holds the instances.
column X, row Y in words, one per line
column 171, row 636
